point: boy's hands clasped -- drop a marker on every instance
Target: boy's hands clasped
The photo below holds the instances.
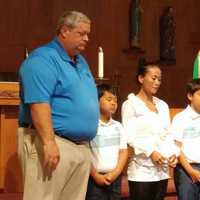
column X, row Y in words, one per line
column 105, row 179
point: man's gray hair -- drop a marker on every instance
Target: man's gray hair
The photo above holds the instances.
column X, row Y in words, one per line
column 71, row 19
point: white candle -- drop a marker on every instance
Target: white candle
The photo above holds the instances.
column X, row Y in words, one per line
column 100, row 63
column 26, row 53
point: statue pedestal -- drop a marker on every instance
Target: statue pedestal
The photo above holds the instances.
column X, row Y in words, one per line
column 133, row 50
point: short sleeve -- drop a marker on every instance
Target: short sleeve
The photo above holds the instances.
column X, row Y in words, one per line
column 176, row 129
column 123, row 138
column 128, row 120
column 37, row 80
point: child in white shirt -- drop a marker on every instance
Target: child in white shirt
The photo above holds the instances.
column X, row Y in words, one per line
column 186, row 131
column 109, row 150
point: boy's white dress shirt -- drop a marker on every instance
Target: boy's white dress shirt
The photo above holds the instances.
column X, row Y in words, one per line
column 186, row 129
column 147, row 131
column 105, row 146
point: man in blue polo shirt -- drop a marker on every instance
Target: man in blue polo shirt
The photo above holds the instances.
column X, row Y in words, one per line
column 58, row 114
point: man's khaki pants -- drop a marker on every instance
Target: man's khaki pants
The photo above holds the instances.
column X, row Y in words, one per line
column 67, row 182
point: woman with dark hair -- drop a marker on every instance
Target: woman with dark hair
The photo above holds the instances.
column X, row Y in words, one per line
column 146, row 119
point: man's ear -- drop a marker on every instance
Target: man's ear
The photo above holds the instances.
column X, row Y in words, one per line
column 64, row 31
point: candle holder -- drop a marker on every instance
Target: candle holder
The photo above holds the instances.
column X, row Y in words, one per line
column 100, row 80
column 133, row 50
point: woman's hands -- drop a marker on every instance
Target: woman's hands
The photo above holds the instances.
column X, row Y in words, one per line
column 159, row 160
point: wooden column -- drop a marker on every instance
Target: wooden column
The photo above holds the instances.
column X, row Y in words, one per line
column 10, row 173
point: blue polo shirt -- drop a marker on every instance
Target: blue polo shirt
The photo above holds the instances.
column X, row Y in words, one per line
column 48, row 75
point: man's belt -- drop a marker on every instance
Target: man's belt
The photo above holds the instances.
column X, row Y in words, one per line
column 69, row 139
column 26, row 125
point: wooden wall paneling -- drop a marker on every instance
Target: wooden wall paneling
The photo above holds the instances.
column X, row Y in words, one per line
column 10, row 171
column 11, row 57
column 40, row 22
column 91, row 52
column 31, row 23
column 194, row 18
column 12, row 31
column 13, row 21
column 2, row 169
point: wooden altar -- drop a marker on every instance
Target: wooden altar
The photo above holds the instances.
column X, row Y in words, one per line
column 10, row 173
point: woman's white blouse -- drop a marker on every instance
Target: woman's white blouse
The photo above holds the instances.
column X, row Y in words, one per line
column 147, row 131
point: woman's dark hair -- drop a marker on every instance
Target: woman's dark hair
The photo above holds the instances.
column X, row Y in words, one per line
column 102, row 88
column 193, row 86
column 144, row 66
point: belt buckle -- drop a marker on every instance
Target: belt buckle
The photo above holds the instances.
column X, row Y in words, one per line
column 26, row 125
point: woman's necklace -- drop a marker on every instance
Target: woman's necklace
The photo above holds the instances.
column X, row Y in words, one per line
column 151, row 105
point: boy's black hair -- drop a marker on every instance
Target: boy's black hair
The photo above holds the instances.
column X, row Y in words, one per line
column 102, row 88
column 193, row 86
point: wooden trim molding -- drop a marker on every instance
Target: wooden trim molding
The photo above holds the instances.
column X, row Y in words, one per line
column 9, row 93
